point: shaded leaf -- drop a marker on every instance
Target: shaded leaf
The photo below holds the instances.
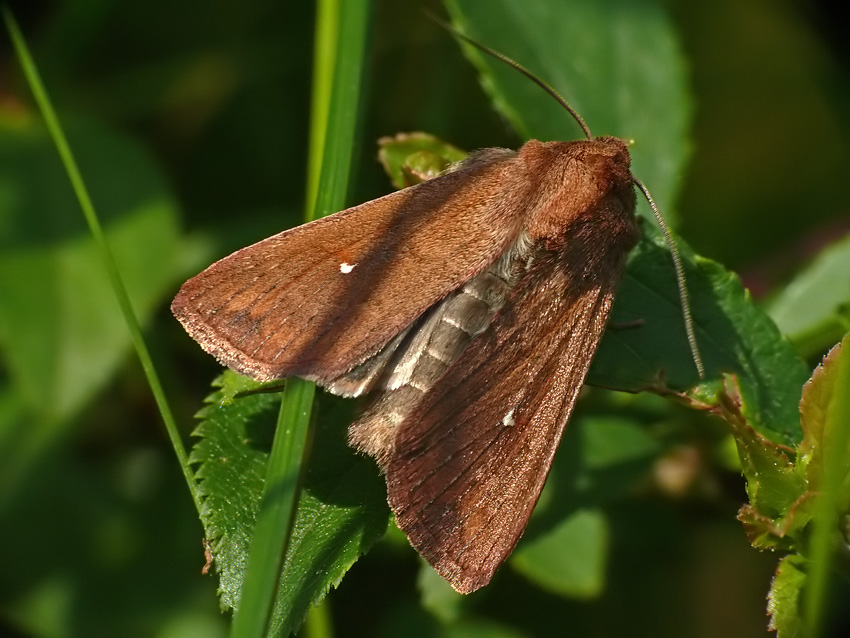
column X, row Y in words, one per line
column 618, row 64
column 342, row 509
column 614, row 441
column 734, row 335
column 779, row 499
column 410, row 158
column 342, row 512
column 599, row 460
column 482, row 628
column 231, row 455
column 60, row 327
column 437, row 595
column 814, row 309
column 570, row 559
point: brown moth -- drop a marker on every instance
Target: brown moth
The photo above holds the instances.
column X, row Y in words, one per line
column 467, row 307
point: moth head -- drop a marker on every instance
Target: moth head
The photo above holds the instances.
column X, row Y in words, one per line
column 574, row 179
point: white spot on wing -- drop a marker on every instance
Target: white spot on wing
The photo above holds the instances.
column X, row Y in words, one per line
column 345, row 268
column 508, row 419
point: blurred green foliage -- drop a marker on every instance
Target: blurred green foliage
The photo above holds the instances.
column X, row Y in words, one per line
column 194, row 115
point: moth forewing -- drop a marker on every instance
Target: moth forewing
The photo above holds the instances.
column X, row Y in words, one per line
column 286, row 307
column 461, row 483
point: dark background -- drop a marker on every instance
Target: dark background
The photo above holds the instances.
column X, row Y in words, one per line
column 97, row 533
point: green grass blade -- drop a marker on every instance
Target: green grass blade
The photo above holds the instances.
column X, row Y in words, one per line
column 342, row 114
column 318, row 624
column 324, row 55
column 274, row 522
column 77, row 183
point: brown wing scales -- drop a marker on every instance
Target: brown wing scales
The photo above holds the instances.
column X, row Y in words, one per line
column 319, row 299
column 470, row 461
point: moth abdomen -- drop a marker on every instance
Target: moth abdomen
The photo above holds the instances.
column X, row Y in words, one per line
column 432, row 345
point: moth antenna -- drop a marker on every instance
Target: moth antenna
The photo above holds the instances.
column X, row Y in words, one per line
column 668, row 236
column 684, row 298
column 517, row 66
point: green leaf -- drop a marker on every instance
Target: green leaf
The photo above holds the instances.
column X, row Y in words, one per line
column 599, row 460
column 783, row 600
column 437, row 595
column 570, row 559
column 341, row 513
column 231, row 456
column 50, row 273
column 825, row 432
column 786, row 495
column 62, row 333
column 776, row 491
column 618, row 64
column 410, row 158
column 612, row 441
column 814, row 309
column 780, row 501
column 735, row 336
column 824, row 459
column 481, row 628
